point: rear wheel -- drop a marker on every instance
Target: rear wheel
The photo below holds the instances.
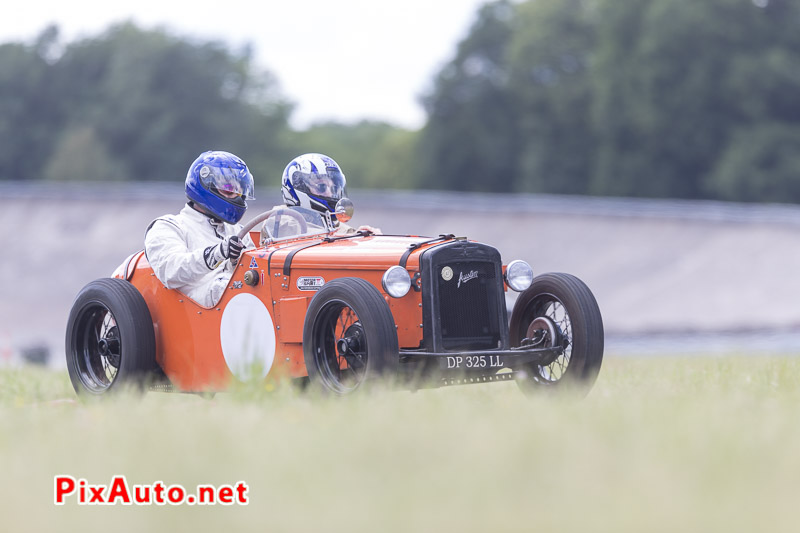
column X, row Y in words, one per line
column 349, row 337
column 559, row 310
column 110, row 342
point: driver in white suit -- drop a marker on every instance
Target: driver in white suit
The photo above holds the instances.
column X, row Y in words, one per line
column 196, row 250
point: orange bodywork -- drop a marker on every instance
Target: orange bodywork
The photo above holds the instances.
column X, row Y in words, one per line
column 188, row 345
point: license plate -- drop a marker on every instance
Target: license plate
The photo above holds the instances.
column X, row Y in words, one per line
column 471, row 362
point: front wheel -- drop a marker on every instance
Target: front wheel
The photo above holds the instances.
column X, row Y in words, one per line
column 349, row 337
column 559, row 310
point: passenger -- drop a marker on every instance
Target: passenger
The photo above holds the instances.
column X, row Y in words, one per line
column 316, row 182
column 196, row 250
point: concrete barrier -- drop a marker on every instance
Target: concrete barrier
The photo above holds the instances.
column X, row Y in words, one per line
column 656, row 267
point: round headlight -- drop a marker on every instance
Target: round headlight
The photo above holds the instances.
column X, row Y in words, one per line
column 396, row 281
column 519, row 275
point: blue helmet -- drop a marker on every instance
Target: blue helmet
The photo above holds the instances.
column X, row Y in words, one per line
column 314, row 181
column 220, row 182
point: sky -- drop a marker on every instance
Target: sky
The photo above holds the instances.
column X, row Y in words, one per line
column 343, row 60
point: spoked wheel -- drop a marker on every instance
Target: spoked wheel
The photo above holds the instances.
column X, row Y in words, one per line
column 110, row 341
column 551, row 328
column 341, row 348
column 97, row 346
column 559, row 310
column 349, row 337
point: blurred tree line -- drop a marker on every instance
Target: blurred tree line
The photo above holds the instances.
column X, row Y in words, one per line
column 132, row 104
column 651, row 98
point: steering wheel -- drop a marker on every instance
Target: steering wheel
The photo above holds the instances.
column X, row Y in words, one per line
column 266, row 214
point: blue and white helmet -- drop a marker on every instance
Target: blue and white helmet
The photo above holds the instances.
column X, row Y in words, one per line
column 220, row 183
column 314, row 181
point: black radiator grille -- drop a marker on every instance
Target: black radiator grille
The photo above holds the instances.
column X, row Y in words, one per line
column 467, row 293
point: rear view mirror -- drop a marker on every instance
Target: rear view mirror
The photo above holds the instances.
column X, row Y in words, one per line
column 344, row 210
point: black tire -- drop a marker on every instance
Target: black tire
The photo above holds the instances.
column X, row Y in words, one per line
column 566, row 309
column 353, row 312
column 110, row 341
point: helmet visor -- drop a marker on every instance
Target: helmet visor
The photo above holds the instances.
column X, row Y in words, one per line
column 329, row 185
column 228, row 182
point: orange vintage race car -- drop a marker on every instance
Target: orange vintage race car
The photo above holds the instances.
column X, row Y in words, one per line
column 338, row 312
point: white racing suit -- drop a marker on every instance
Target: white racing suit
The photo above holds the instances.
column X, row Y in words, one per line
column 180, row 248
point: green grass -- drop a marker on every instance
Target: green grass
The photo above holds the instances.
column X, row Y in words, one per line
column 660, row 444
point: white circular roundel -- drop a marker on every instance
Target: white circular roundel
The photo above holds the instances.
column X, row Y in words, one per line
column 247, row 335
column 447, row 273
